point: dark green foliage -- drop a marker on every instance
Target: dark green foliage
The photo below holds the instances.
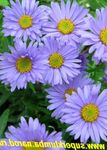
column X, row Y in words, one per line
column 96, row 72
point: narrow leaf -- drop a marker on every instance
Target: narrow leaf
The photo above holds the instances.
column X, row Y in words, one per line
column 3, row 121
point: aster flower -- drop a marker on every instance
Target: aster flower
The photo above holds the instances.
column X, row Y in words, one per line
column 23, row 20
column 62, row 61
column 65, row 21
column 57, row 94
column 21, row 66
column 85, row 113
column 33, row 131
column 97, row 37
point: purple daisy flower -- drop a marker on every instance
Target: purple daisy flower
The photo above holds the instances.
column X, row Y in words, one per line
column 23, row 20
column 33, row 131
column 62, row 61
column 57, row 94
column 97, row 38
column 65, row 21
column 86, row 114
column 21, row 66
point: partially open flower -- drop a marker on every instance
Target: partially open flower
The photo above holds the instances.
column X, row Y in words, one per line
column 57, row 95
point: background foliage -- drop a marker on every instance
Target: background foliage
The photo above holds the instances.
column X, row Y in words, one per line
column 33, row 101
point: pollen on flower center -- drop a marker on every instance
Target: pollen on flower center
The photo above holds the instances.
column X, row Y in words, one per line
column 69, row 92
column 66, row 26
column 56, row 60
column 24, row 65
column 25, row 21
column 103, row 36
column 90, row 112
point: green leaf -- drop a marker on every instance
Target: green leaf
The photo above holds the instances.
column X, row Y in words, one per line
column 102, row 3
column 97, row 4
column 4, row 3
column 96, row 72
column 94, row 4
column 3, row 121
column 4, row 98
column 32, row 87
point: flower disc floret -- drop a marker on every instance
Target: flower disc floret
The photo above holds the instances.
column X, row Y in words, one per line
column 24, row 65
column 103, row 36
column 25, row 22
column 56, row 60
column 90, row 112
column 66, row 26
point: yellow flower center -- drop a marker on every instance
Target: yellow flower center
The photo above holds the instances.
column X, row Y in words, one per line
column 66, row 26
column 90, row 112
column 33, row 148
column 24, row 65
column 69, row 92
column 25, row 21
column 103, row 36
column 56, row 60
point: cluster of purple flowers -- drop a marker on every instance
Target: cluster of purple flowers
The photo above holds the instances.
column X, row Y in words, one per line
column 53, row 56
